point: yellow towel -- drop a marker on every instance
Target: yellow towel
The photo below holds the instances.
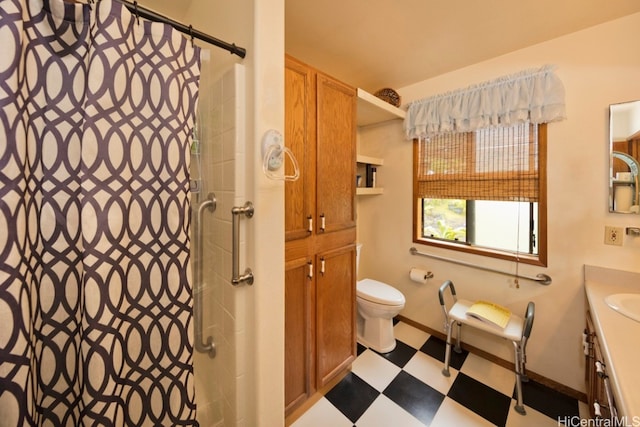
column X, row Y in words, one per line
column 490, row 312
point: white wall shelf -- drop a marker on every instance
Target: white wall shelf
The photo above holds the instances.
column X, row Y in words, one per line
column 368, row 191
column 372, row 110
column 369, row 160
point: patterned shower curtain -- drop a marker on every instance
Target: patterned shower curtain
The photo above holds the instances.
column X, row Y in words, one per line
column 96, row 109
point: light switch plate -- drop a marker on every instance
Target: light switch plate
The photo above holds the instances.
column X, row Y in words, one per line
column 613, row 235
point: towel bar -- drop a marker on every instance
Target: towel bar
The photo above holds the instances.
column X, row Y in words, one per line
column 246, row 210
column 541, row 278
column 209, row 346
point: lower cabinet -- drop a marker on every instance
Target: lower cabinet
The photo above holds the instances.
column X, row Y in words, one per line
column 320, row 321
column 297, row 343
column 335, row 313
column 599, row 394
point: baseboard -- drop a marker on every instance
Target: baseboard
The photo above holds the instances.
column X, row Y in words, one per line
column 501, row 362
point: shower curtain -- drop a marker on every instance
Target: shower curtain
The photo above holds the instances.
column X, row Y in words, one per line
column 96, row 110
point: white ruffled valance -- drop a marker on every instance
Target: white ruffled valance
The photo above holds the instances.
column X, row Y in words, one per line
column 533, row 95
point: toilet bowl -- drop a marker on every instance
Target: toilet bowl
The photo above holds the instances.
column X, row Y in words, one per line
column 378, row 303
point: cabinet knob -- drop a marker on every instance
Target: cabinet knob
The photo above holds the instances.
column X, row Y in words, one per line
column 310, row 274
column 322, row 222
column 322, row 266
column 310, row 224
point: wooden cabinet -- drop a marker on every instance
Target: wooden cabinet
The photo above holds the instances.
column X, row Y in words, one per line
column 320, row 232
column 599, row 394
column 298, row 287
column 300, row 138
column 335, row 312
column 335, row 155
column 320, row 130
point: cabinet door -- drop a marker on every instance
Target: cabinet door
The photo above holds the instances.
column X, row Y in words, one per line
column 591, row 376
column 297, row 340
column 300, row 139
column 335, row 312
column 596, row 388
column 335, row 154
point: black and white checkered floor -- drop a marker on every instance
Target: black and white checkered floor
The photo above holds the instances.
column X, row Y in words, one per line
column 405, row 388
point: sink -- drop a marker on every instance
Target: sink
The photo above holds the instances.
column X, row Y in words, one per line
column 626, row 304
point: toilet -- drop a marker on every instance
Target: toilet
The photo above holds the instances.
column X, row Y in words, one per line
column 378, row 303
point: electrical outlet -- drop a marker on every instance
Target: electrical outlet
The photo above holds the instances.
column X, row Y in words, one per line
column 613, row 235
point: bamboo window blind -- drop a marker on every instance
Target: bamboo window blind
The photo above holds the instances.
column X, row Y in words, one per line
column 497, row 163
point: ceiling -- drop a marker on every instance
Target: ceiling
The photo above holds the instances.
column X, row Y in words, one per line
column 374, row 44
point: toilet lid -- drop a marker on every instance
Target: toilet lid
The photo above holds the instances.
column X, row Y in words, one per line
column 378, row 292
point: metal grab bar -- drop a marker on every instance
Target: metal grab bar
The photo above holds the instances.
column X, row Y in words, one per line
column 246, row 210
column 541, row 278
column 201, row 346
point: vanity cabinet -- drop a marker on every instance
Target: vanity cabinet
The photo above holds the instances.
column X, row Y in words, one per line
column 320, row 231
column 599, row 395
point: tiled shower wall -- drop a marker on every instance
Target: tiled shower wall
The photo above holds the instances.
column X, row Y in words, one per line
column 220, row 381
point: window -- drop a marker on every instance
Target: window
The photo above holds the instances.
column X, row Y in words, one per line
column 483, row 192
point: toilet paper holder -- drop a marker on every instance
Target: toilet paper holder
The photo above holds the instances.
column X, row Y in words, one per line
column 419, row 275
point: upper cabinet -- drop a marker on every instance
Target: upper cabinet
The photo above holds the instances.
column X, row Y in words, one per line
column 373, row 110
column 335, row 154
column 300, row 138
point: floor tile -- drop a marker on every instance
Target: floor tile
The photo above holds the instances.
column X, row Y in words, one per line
column 323, row 413
column 400, row 355
column 550, row 402
column 488, row 373
column 360, row 349
column 451, row 413
column 481, row 399
column 414, row 396
column 352, row 396
column 375, row 369
column 429, row 370
column 435, row 347
column 385, row 413
column 406, row 388
column 532, row 418
column 410, row 335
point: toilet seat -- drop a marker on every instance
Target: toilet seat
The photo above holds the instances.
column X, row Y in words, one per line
column 379, row 293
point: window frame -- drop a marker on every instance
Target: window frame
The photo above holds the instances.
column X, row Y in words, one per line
column 540, row 259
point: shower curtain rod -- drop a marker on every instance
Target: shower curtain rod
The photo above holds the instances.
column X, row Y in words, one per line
column 145, row 13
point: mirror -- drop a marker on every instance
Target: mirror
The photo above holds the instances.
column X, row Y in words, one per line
column 624, row 140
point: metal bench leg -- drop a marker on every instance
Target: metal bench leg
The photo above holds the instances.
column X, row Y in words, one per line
column 523, row 361
column 447, row 352
column 519, row 374
column 457, row 348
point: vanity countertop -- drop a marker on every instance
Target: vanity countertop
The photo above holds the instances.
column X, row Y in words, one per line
column 619, row 336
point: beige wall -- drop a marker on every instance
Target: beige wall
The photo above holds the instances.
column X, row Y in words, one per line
column 599, row 66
